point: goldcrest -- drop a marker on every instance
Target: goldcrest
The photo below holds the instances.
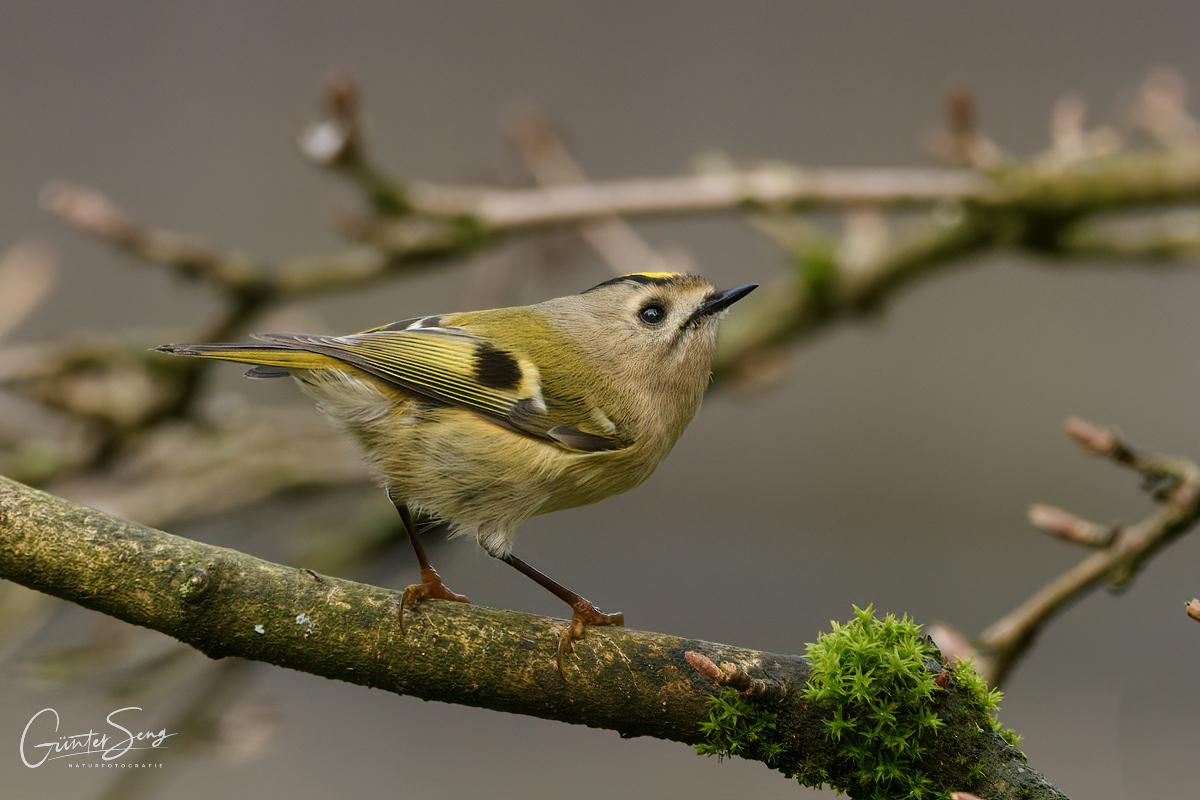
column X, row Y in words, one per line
column 484, row 419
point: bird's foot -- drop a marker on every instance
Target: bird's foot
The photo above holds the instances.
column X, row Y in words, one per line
column 430, row 588
column 585, row 614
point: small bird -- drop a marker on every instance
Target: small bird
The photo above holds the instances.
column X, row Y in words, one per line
column 484, row 419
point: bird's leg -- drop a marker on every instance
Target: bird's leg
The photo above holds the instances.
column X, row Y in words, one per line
column 431, row 585
column 585, row 612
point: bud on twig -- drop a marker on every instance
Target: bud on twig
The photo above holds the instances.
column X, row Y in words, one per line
column 1066, row 525
column 728, row 674
column 1093, row 438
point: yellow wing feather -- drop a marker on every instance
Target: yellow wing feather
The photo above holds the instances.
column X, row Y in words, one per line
column 446, row 364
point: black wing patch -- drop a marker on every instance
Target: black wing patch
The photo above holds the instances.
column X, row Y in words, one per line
column 496, row 368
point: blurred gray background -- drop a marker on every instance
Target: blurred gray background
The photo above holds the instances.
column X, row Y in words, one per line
column 892, row 466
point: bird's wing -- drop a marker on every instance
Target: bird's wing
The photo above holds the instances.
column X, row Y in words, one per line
column 450, row 365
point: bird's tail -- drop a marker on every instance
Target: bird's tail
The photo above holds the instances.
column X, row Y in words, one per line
column 272, row 360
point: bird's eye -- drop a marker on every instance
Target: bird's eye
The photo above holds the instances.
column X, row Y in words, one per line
column 652, row 314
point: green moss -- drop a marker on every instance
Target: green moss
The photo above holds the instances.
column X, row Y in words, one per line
column 737, row 727
column 880, row 683
column 873, row 676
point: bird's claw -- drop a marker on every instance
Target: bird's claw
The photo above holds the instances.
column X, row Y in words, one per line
column 430, row 588
column 585, row 614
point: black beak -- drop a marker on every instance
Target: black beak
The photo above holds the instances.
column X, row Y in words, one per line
column 717, row 302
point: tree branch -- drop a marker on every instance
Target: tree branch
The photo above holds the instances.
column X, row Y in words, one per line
column 226, row 603
column 1122, row 550
column 774, row 186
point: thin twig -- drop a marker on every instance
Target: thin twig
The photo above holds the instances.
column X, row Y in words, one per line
column 92, row 212
column 1175, row 482
column 1066, row 525
column 338, row 143
column 255, row 283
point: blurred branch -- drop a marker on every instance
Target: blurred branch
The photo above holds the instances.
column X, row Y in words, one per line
column 93, row 213
column 226, row 603
column 338, row 143
column 1041, row 204
column 547, row 158
column 107, row 387
column 183, row 471
column 1171, row 237
column 28, row 272
column 1120, row 181
column 822, row 289
column 251, row 282
column 1122, row 550
column 771, row 186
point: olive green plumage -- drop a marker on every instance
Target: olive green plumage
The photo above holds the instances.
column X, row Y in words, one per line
column 486, row 418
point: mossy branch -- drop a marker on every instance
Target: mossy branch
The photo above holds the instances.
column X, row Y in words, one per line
column 226, row 603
